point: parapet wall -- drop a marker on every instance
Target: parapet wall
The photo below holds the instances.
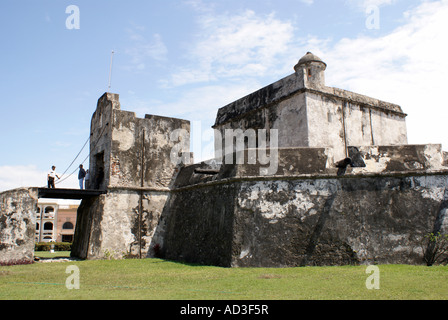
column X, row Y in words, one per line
column 292, row 85
column 302, row 220
column 17, row 225
column 308, row 213
column 376, row 159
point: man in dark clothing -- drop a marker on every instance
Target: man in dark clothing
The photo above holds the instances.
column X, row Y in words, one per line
column 81, row 176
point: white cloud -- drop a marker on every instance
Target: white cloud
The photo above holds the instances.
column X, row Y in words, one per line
column 307, row 2
column 230, row 46
column 196, row 104
column 408, row 66
column 141, row 50
column 363, row 4
column 12, row 177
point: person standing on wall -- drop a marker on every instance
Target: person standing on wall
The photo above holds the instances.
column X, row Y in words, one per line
column 51, row 176
column 81, row 176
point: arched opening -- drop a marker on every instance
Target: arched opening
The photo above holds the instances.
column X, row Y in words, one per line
column 49, row 209
column 49, row 212
column 67, row 226
column 48, row 226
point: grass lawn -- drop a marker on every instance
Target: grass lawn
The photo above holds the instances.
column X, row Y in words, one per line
column 48, row 254
column 155, row 279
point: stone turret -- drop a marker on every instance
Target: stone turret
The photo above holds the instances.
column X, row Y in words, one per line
column 311, row 69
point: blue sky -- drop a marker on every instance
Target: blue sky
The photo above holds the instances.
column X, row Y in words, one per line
column 187, row 58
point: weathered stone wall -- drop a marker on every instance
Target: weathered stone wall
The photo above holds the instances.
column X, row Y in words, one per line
column 338, row 123
column 141, row 148
column 311, row 118
column 306, row 113
column 100, row 140
column 336, row 221
column 199, row 225
column 295, row 221
column 17, row 225
column 114, row 226
column 135, row 154
column 428, row 157
column 87, row 240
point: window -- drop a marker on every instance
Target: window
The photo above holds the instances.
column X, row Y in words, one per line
column 48, row 226
column 67, row 238
column 67, row 225
column 49, row 209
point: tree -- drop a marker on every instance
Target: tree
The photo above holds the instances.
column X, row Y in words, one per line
column 435, row 248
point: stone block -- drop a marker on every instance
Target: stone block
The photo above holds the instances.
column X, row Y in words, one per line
column 17, row 225
column 397, row 158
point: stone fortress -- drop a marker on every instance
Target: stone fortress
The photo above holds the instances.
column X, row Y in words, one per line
column 324, row 177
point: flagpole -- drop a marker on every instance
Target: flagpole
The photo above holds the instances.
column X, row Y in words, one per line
column 110, row 69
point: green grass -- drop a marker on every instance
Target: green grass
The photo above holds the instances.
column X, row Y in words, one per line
column 155, row 279
column 48, row 254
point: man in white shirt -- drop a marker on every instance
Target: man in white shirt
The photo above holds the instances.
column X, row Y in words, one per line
column 51, row 177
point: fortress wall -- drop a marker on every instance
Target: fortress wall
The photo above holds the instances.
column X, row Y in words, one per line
column 297, row 221
column 337, row 221
column 119, row 224
column 338, row 123
column 389, row 158
column 198, row 225
column 17, row 225
column 136, row 157
column 87, row 226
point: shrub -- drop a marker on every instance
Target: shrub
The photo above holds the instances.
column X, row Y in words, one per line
column 435, row 248
column 58, row 246
column 15, row 262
